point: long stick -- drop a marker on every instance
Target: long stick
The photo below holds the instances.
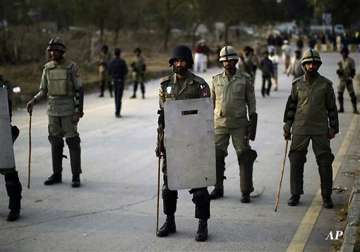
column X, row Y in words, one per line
column 281, row 177
column 29, row 162
column 158, row 195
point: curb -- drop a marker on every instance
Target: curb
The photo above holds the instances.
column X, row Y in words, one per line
column 351, row 241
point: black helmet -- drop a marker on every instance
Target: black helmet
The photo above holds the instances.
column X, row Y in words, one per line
column 56, row 44
column 184, row 53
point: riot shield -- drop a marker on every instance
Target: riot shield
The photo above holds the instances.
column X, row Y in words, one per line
column 7, row 160
column 189, row 143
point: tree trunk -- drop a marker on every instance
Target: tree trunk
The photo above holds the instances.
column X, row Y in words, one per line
column 226, row 34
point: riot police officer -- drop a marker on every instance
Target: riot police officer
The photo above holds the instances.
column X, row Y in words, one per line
column 61, row 84
column 235, row 116
column 12, row 182
column 346, row 73
column 311, row 114
column 181, row 85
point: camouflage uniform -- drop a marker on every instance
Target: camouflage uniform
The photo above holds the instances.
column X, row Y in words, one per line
column 346, row 73
column 312, row 115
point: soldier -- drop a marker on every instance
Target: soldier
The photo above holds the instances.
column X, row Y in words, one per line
column 295, row 68
column 346, row 73
column 235, row 116
column 60, row 82
column 118, row 71
column 249, row 64
column 12, row 182
column 267, row 69
column 181, row 85
column 311, row 114
column 103, row 71
column 138, row 68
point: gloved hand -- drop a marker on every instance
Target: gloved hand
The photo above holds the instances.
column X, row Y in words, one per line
column 30, row 105
column 287, row 131
column 331, row 133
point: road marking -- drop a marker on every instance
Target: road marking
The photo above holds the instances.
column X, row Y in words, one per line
column 303, row 232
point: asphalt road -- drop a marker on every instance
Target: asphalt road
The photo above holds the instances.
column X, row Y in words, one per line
column 115, row 209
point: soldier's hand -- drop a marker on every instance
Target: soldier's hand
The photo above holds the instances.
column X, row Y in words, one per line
column 30, row 105
column 331, row 133
column 76, row 117
column 157, row 151
column 287, row 132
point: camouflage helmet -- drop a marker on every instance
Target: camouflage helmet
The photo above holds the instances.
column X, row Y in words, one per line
column 56, row 44
column 310, row 55
column 184, row 53
column 228, row 53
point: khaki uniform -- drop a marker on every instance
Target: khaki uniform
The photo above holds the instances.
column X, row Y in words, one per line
column 346, row 67
column 173, row 89
column 234, row 100
column 103, row 73
column 61, row 84
column 138, row 74
column 103, row 61
column 139, row 70
column 249, row 66
column 314, row 110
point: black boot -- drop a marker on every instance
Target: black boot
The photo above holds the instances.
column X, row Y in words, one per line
column 202, row 232
column 294, row 200
column 133, row 96
column 246, row 163
column 217, row 193
column 57, row 146
column 168, row 227
column 55, row 178
column 354, row 103
column 75, row 159
column 327, row 202
column 76, row 181
column 341, row 102
column 13, row 188
column 245, row 198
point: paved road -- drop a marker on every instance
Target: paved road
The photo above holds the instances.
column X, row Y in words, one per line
column 114, row 210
